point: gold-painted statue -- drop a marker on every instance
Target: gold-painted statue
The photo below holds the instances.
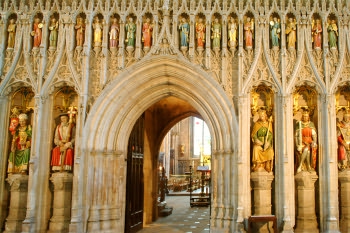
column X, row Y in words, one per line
column 262, row 137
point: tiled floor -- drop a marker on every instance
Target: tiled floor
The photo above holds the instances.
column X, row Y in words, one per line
column 183, row 219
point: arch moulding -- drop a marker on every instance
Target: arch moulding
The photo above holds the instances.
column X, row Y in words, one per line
column 133, row 91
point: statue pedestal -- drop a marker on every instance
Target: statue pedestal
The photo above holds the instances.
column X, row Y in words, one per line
column 344, row 180
column 18, row 202
column 306, row 219
column 261, row 180
column 62, row 199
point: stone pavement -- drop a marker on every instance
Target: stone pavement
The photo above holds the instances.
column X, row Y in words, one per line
column 183, row 219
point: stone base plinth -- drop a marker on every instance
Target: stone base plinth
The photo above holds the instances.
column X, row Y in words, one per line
column 261, row 180
column 306, row 218
column 18, row 202
column 344, row 180
column 62, row 199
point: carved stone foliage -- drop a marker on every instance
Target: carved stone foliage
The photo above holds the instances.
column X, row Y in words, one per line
column 227, row 85
column 9, row 55
column 50, row 60
column 247, row 62
column 262, row 71
column 215, row 65
column 318, row 59
column 64, row 74
column 305, row 72
column 290, row 62
column 95, row 78
column 78, row 60
column 345, row 71
column 275, row 59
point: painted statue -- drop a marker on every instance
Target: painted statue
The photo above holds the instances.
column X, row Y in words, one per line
column 249, row 32
column 11, row 29
column 232, row 33
column 306, row 144
column 216, row 33
column 37, row 32
column 275, row 32
column 20, row 146
column 291, row 31
column 332, row 34
column 114, row 34
column 97, row 26
column 200, row 33
column 63, row 154
column 80, row 32
column 147, row 30
column 343, row 136
column 262, row 137
column 53, row 28
column 317, row 34
column 184, row 28
column 130, row 28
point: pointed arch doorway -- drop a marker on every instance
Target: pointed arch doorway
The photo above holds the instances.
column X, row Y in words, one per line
column 142, row 159
column 113, row 115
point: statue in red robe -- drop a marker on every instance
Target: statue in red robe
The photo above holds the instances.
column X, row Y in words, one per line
column 63, row 154
column 306, row 144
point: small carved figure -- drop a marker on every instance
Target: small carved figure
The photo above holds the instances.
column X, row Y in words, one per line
column 291, row 32
column 216, row 33
column 262, row 137
column 275, row 32
column 63, row 153
column 20, row 146
column 53, row 32
column 317, row 34
column 80, row 31
column 97, row 26
column 306, row 143
column 249, row 32
column 147, row 30
column 11, row 29
column 114, row 34
column 13, row 125
column 343, row 136
column 37, row 33
column 184, row 28
column 130, row 28
column 232, row 32
column 332, row 34
column 200, row 33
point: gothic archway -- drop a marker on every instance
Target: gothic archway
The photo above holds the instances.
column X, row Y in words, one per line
column 112, row 118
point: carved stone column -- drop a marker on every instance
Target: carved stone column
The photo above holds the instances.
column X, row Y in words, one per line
column 306, row 219
column 62, row 200
column 262, row 180
column 18, row 202
column 344, row 180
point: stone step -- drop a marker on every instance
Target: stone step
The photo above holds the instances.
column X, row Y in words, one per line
column 166, row 211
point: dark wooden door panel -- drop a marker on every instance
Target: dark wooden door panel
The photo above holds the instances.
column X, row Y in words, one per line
column 134, row 187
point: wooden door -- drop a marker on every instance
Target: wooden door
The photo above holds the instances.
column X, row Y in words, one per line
column 135, row 185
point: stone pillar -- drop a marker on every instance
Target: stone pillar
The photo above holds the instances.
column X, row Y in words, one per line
column 18, row 202
column 262, row 180
column 344, row 180
column 306, row 219
column 62, row 199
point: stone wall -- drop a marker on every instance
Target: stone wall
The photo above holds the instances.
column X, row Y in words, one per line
column 216, row 79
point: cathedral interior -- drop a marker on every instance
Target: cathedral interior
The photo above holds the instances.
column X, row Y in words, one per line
column 89, row 90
